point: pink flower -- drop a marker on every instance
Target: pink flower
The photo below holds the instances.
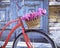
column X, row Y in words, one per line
column 25, row 17
column 39, row 13
column 40, row 9
column 33, row 15
column 44, row 11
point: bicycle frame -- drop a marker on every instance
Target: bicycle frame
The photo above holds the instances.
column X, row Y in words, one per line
column 20, row 23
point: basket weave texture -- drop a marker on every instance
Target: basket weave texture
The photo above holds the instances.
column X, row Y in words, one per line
column 35, row 23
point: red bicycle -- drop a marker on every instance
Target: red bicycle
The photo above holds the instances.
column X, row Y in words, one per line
column 25, row 36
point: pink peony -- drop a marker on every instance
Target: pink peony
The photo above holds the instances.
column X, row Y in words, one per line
column 42, row 11
column 26, row 17
column 33, row 15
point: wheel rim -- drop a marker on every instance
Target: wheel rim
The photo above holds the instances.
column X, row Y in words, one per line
column 41, row 45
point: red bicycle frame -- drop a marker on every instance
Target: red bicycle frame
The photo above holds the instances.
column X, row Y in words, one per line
column 20, row 23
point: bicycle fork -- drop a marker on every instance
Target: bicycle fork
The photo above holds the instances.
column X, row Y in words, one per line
column 26, row 38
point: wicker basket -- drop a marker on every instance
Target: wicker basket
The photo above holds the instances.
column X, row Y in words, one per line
column 35, row 23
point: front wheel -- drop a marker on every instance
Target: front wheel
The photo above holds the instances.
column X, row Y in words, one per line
column 36, row 38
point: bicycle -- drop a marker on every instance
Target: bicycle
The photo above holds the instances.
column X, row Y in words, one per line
column 25, row 36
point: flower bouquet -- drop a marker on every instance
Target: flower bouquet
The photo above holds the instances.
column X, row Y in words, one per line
column 33, row 19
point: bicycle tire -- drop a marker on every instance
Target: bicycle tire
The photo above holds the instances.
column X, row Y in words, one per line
column 35, row 31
